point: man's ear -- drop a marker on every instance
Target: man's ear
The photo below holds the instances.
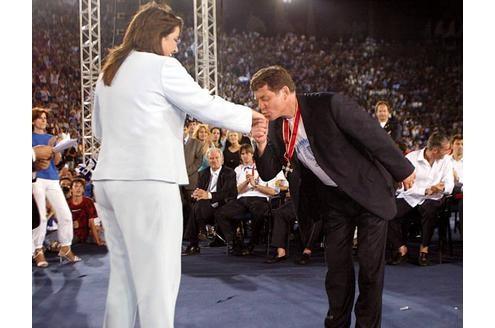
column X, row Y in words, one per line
column 285, row 91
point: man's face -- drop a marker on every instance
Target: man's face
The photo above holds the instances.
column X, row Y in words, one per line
column 246, row 157
column 382, row 113
column 192, row 127
column 458, row 147
column 77, row 189
column 439, row 153
column 215, row 160
column 271, row 104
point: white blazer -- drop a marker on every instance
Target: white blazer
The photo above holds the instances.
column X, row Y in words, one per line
column 139, row 119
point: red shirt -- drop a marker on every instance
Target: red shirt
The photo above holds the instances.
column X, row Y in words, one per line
column 81, row 214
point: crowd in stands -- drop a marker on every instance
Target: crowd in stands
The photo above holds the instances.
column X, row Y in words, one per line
column 421, row 80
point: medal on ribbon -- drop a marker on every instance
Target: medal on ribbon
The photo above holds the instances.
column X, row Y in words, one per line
column 290, row 140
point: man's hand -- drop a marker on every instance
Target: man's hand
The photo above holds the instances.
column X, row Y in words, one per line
column 438, row 188
column 199, row 194
column 259, row 132
column 250, row 179
column 409, row 181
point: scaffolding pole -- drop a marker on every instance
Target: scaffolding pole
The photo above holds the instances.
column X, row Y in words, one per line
column 89, row 20
column 205, row 41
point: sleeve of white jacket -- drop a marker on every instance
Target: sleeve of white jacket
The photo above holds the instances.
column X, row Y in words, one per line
column 95, row 118
column 181, row 90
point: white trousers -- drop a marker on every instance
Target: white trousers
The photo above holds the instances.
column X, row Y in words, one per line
column 143, row 231
column 44, row 189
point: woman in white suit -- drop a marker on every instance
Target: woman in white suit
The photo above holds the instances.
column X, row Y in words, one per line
column 141, row 102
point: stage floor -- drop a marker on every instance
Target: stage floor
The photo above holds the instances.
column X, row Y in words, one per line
column 221, row 291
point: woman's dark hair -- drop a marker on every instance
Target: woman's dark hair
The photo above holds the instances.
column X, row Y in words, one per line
column 145, row 31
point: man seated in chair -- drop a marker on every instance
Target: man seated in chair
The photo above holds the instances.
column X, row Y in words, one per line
column 434, row 179
column 457, row 163
column 216, row 185
column 283, row 218
column 253, row 197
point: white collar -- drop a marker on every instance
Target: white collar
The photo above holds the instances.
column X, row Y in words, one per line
column 215, row 172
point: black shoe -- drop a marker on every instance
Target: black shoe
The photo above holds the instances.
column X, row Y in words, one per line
column 397, row 259
column 304, row 259
column 217, row 242
column 191, row 250
column 276, row 259
column 423, row 259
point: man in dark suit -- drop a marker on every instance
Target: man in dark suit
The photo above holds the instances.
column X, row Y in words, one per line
column 193, row 154
column 341, row 167
column 216, row 185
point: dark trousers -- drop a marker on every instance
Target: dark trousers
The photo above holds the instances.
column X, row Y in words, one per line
column 201, row 214
column 341, row 215
column 397, row 229
column 187, row 204
column 234, row 210
column 283, row 218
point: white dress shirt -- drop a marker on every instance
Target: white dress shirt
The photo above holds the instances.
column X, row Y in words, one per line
column 426, row 176
column 458, row 168
column 140, row 118
column 241, row 172
column 306, row 156
column 212, row 187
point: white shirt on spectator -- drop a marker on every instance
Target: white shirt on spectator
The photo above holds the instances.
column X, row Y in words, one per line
column 458, row 167
column 241, row 172
column 426, row 176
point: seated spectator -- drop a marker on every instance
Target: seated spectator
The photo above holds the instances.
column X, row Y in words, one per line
column 65, row 184
column 87, row 226
column 434, row 179
column 231, row 153
column 457, row 163
column 285, row 217
column 193, row 155
column 216, row 186
column 252, row 197
column 203, row 135
column 216, row 133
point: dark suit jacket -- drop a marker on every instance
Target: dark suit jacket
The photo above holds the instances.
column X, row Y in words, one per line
column 394, row 129
column 349, row 146
column 226, row 184
column 193, row 153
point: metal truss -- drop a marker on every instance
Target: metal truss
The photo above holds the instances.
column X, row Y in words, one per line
column 205, row 40
column 89, row 20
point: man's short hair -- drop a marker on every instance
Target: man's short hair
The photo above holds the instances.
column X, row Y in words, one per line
column 455, row 138
column 247, row 148
column 383, row 102
column 437, row 140
column 214, row 149
column 78, row 180
column 275, row 77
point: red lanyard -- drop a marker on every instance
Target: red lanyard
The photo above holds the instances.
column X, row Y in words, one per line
column 290, row 138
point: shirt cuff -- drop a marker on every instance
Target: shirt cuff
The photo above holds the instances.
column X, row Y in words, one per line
column 209, row 195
